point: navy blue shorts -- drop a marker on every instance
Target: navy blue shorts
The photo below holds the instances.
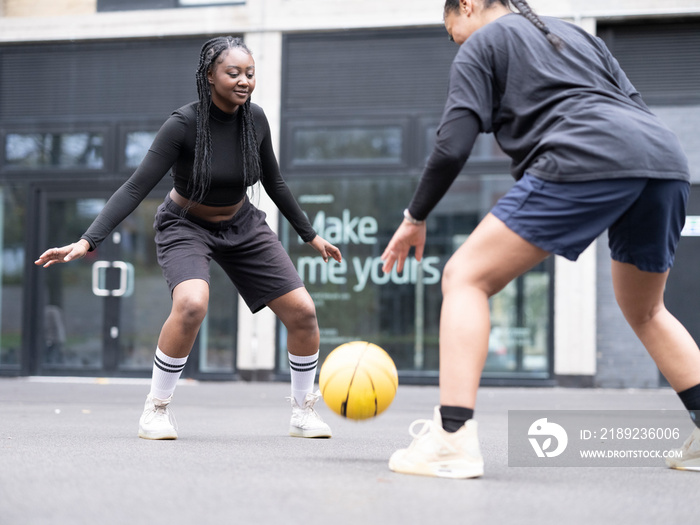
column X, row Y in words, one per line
column 644, row 217
column 245, row 247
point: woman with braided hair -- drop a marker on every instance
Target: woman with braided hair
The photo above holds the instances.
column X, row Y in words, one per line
column 587, row 156
column 218, row 147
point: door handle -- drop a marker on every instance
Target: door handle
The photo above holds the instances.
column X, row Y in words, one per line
column 126, row 279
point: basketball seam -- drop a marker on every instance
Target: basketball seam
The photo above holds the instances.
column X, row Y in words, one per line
column 374, row 391
column 344, row 407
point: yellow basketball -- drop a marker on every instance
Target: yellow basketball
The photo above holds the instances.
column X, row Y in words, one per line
column 358, row 380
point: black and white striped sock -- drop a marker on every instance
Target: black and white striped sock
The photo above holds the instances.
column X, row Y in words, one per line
column 166, row 372
column 303, row 372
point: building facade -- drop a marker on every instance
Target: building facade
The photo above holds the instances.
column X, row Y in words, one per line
column 353, row 91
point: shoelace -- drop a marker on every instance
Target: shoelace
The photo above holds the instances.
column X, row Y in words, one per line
column 308, row 403
column 307, row 411
column 162, row 411
column 427, row 427
column 312, row 398
column 691, row 445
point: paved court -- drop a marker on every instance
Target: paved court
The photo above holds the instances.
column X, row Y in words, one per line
column 69, row 455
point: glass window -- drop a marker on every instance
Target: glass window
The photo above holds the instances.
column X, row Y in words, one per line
column 12, row 243
column 128, row 5
column 217, row 336
column 520, row 326
column 190, row 3
column 54, row 150
column 355, row 300
column 137, row 144
column 321, row 145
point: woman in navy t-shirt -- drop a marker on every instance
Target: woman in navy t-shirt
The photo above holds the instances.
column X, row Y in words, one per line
column 587, row 156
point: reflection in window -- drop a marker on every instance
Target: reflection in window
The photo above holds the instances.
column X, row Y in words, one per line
column 217, row 336
column 322, row 145
column 12, row 242
column 356, row 300
column 55, row 150
column 137, row 144
column 519, row 325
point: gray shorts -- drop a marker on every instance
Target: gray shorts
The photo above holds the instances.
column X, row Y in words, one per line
column 245, row 247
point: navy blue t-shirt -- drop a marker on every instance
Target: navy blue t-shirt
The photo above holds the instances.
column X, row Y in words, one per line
column 564, row 116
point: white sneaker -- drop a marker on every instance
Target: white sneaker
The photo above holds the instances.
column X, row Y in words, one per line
column 157, row 421
column 436, row 452
column 306, row 422
column 689, row 452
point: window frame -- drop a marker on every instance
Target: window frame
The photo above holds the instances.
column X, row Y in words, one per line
column 123, row 130
column 13, row 172
column 292, row 125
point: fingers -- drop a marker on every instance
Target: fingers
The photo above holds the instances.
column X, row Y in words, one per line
column 60, row 255
column 401, row 261
column 419, row 252
column 390, row 256
column 326, row 249
column 335, row 253
column 394, row 258
column 388, row 264
column 396, row 252
column 46, row 257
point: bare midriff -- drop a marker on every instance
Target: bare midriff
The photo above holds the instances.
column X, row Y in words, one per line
column 208, row 213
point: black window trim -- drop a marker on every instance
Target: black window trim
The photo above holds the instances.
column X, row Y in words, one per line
column 10, row 172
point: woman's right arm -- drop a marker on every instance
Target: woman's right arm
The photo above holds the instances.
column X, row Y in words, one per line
column 125, row 200
column 159, row 159
column 456, row 136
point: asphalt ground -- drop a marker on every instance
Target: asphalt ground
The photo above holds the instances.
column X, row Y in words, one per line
column 69, row 454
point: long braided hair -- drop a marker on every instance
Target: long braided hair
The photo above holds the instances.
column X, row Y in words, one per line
column 201, row 170
column 524, row 9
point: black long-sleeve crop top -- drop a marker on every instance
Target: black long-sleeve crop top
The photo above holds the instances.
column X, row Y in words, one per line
column 173, row 148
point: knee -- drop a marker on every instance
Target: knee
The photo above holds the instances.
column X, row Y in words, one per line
column 449, row 276
column 304, row 317
column 637, row 316
column 191, row 310
column 460, row 275
column 455, row 277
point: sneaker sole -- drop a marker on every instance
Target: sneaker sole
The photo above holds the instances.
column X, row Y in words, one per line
column 146, row 435
column 298, row 432
column 681, row 467
column 448, row 470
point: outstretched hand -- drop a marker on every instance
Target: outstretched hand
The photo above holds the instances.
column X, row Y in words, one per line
column 76, row 250
column 406, row 236
column 325, row 248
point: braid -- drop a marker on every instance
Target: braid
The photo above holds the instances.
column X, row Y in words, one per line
column 252, row 168
column 525, row 10
column 201, row 170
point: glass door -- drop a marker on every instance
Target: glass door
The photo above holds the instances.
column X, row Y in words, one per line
column 102, row 314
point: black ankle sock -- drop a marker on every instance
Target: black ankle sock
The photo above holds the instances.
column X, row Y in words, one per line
column 453, row 418
column 691, row 401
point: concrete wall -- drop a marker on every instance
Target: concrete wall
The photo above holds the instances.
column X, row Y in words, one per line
column 47, row 8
